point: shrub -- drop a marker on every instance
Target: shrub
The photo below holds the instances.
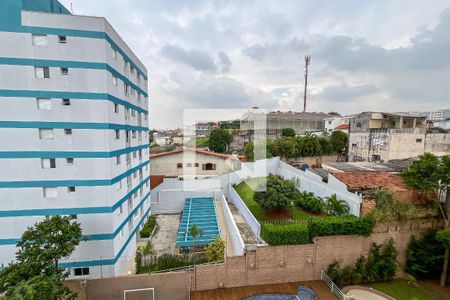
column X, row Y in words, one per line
column 279, row 194
column 289, row 234
column 215, row 250
column 345, row 225
column 310, row 203
column 389, row 208
column 148, row 227
column 336, row 207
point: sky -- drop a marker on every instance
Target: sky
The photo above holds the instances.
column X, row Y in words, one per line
column 383, row 55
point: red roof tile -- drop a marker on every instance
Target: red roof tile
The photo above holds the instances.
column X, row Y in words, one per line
column 371, row 180
column 343, row 126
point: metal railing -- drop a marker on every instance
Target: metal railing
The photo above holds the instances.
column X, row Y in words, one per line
column 334, row 288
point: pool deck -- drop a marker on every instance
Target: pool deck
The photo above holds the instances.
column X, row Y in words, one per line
column 238, row 293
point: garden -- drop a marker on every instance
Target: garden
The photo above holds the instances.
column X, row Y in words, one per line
column 288, row 216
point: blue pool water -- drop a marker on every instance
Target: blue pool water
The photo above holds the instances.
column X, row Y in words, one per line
column 303, row 293
column 201, row 212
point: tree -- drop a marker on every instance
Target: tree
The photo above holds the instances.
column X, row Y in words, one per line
column 279, row 194
column 215, row 251
column 307, row 145
column 336, row 207
column 35, row 274
column 339, row 140
column 289, row 132
column 250, row 151
column 431, row 175
column 194, row 231
column 285, row 147
column 219, row 139
column 325, row 146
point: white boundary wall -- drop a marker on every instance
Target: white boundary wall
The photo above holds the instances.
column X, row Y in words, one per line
column 244, row 211
column 236, row 240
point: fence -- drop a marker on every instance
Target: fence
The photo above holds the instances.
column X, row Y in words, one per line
column 234, row 234
column 334, row 288
column 244, row 211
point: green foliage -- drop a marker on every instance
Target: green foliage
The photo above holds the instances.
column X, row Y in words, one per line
column 194, row 231
column 310, row 203
column 380, row 265
column 290, row 132
column 443, row 236
column 325, row 146
column 215, row 251
column 285, row 147
column 202, row 142
column 35, row 274
column 148, row 227
column 290, row 234
column 424, row 256
column 411, row 280
column 167, row 261
column 336, row 207
column 234, row 124
column 219, row 139
column 279, row 194
column 261, row 145
column 345, row 225
column 307, row 145
column 422, row 174
column 339, row 140
column 390, row 209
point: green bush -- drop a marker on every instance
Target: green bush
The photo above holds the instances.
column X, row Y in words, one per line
column 289, row 234
column 279, row 194
column 310, row 203
column 345, row 225
column 148, row 227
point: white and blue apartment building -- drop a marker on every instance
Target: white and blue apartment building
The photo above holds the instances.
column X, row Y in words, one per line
column 73, row 133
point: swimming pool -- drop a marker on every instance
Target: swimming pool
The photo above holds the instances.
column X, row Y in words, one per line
column 303, row 293
column 201, row 212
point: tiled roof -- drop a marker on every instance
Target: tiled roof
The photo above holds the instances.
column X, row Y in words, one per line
column 281, row 115
column 343, row 126
column 371, row 180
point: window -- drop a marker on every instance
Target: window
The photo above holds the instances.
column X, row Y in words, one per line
column 62, row 39
column 196, row 165
column 118, row 159
column 134, row 154
column 125, row 66
column 121, row 232
column 209, row 167
column 354, row 145
column 132, row 70
column 117, row 134
column 134, row 174
column 138, row 77
column 64, row 71
column 50, row 192
column 120, row 210
column 179, row 165
column 66, row 102
column 68, row 131
column 189, row 165
column 44, row 103
column 81, row 271
column 116, row 108
column 113, row 53
column 133, row 134
column 138, row 97
column 126, row 89
column 69, row 160
column 39, row 39
column 418, row 140
column 145, row 117
column 114, row 80
column 46, row 133
column 71, row 189
column 329, row 122
column 119, row 185
column 42, row 72
column 48, row 163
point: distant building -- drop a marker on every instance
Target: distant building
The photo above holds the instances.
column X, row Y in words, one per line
column 336, row 123
column 204, row 129
column 276, row 121
column 438, row 115
column 192, row 163
column 379, row 136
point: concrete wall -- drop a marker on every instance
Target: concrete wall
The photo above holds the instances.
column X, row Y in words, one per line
column 236, row 239
column 438, row 143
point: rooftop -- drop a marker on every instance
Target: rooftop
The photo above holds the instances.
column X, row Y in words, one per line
column 371, row 180
column 343, row 126
column 287, row 115
column 199, row 151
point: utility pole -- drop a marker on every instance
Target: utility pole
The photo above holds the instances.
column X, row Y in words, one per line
column 307, row 61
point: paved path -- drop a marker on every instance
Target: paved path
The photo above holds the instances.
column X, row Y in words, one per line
column 165, row 236
column 224, row 229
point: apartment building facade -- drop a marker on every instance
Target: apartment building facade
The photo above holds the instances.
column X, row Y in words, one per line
column 74, row 129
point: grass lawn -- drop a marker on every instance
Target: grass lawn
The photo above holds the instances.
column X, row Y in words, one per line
column 401, row 290
column 246, row 193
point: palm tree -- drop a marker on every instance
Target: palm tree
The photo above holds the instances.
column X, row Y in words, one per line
column 194, row 231
column 336, row 207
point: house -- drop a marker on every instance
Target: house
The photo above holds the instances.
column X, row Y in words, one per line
column 336, row 123
column 381, row 136
column 189, row 163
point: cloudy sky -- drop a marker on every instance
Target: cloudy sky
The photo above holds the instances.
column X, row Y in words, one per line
column 366, row 55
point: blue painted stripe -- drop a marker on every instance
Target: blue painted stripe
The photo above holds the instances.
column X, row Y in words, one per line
column 69, row 95
column 69, row 64
column 71, row 125
column 105, row 262
column 62, row 183
column 74, row 210
column 96, row 236
column 71, row 154
column 82, row 33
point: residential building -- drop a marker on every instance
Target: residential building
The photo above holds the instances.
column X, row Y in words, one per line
column 380, row 136
column 204, row 128
column 74, row 121
column 438, row 115
column 336, row 123
column 187, row 163
column 276, row 121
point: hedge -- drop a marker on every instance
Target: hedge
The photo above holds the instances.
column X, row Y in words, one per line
column 289, row 234
column 344, row 225
column 303, row 233
column 148, row 227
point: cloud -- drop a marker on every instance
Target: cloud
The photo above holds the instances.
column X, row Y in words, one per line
column 224, row 62
column 346, row 93
column 196, row 59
